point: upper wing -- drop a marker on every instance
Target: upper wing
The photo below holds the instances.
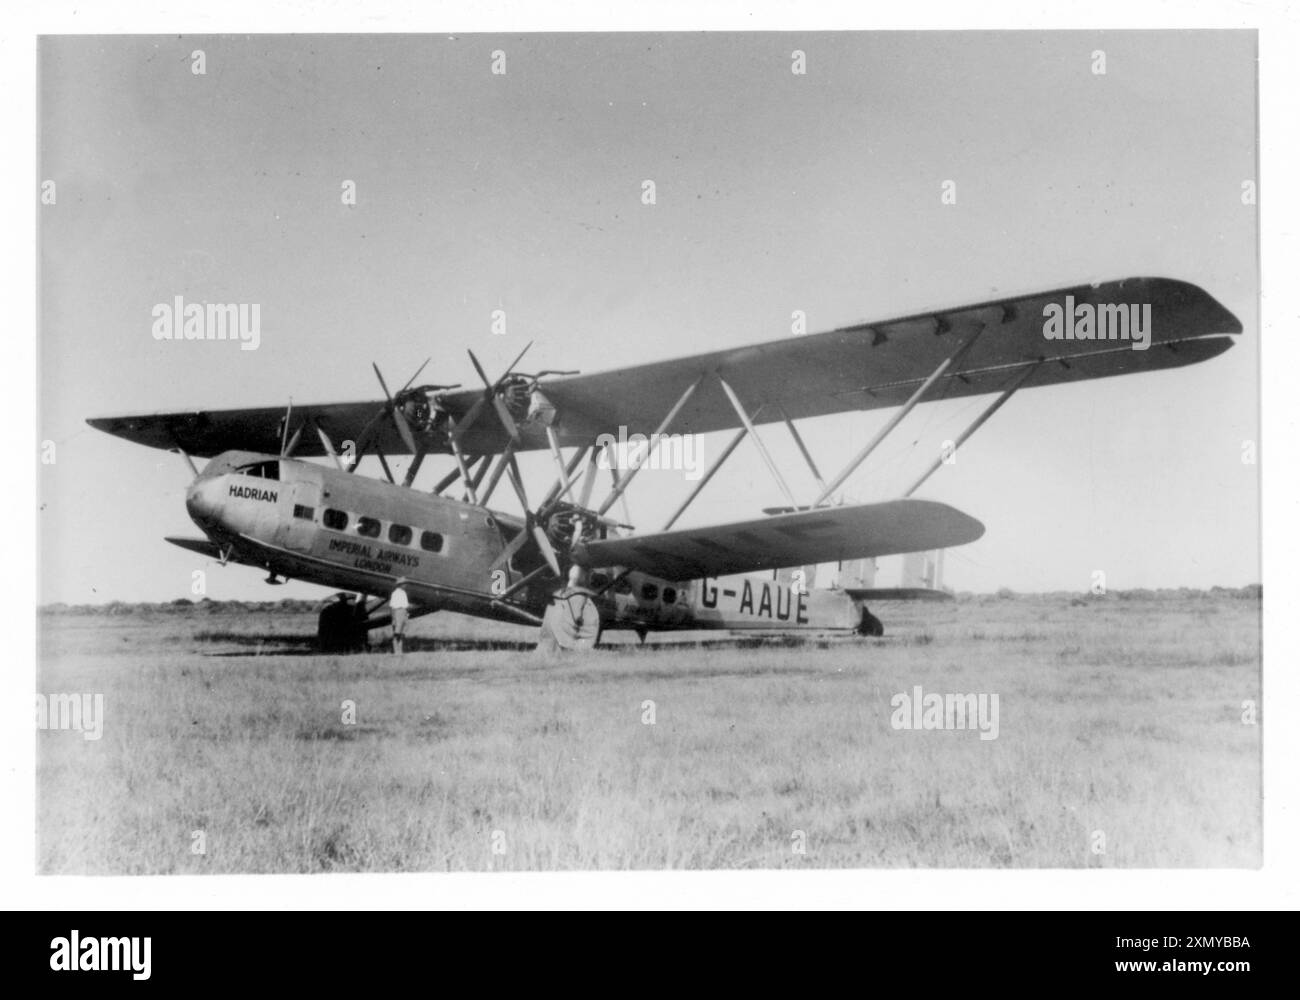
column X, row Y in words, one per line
column 879, row 365
column 860, row 367
column 825, row 534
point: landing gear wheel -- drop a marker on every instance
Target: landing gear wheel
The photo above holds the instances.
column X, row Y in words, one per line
column 870, row 625
column 571, row 622
column 339, row 629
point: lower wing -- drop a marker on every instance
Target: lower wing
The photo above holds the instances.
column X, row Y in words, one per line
column 823, row 534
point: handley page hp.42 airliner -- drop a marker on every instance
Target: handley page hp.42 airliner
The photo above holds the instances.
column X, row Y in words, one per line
column 566, row 565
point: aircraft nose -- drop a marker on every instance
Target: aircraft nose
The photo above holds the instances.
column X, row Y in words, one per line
column 203, row 500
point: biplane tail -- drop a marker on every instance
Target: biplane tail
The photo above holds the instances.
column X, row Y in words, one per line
column 875, row 594
column 921, row 579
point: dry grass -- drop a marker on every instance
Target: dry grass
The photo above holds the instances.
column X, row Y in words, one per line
column 1116, row 716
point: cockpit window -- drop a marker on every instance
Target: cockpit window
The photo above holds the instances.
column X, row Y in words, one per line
column 260, row 470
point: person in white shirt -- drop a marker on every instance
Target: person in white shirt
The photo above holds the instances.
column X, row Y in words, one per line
column 398, row 603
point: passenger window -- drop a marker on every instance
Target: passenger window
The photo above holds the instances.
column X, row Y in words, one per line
column 670, row 595
column 622, row 586
column 306, row 513
column 649, row 592
column 335, row 520
column 430, row 541
column 399, row 534
column 599, row 581
column 367, row 527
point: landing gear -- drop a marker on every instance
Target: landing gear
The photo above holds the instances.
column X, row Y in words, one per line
column 572, row 621
column 341, row 627
column 870, row 625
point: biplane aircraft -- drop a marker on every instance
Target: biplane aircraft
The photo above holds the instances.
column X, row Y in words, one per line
column 567, row 565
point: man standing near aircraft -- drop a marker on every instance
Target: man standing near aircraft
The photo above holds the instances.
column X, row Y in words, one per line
column 398, row 602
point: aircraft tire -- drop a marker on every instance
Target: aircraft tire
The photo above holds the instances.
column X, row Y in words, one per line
column 337, row 629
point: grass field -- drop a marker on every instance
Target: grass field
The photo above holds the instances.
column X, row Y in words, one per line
column 1120, row 718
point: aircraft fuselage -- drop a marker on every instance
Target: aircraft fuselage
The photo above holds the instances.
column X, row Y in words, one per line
column 347, row 532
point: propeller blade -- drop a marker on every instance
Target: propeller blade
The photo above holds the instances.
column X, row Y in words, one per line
column 516, row 360
column 507, row 421
column 490, row 393
column 415, row 376
column 481, row 373
column 382, row 384
column 404, row 429
column 328, row 445
column 544, row 544
column 293, row 443
column 509, row 551
column 470, row 416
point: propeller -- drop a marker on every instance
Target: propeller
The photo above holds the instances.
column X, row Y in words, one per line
column 403, row 428
column 555, row 521
column 532, row 527
column 395, row 405
column 491, row 394
column 535, row 525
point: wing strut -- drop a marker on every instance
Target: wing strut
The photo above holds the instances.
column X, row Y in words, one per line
column 896, row 419
column 384, row 462
column 621, row 483
column 473, row 474
column 612, row 459
column 593, row 463
column 460, row 460
column 176, row 447
column 753, row 432
column 446, row 481
column 704, row 479
column 991, row 409
column 413, row 469
column 554, row 443
column 481, row 471
column 566, row 471
column 500, row 467
column 803, row 448
column 188, row 461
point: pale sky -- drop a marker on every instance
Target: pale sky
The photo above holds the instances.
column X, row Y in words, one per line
column 775, row 192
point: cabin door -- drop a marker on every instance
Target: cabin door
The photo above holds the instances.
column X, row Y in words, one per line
column 299, row 531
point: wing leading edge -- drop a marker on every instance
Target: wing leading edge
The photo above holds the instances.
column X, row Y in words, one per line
column 859, row 367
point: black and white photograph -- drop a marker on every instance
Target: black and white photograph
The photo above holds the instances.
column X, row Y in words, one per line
column 618, row 451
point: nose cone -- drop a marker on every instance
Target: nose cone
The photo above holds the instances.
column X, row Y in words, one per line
column 203, row 501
